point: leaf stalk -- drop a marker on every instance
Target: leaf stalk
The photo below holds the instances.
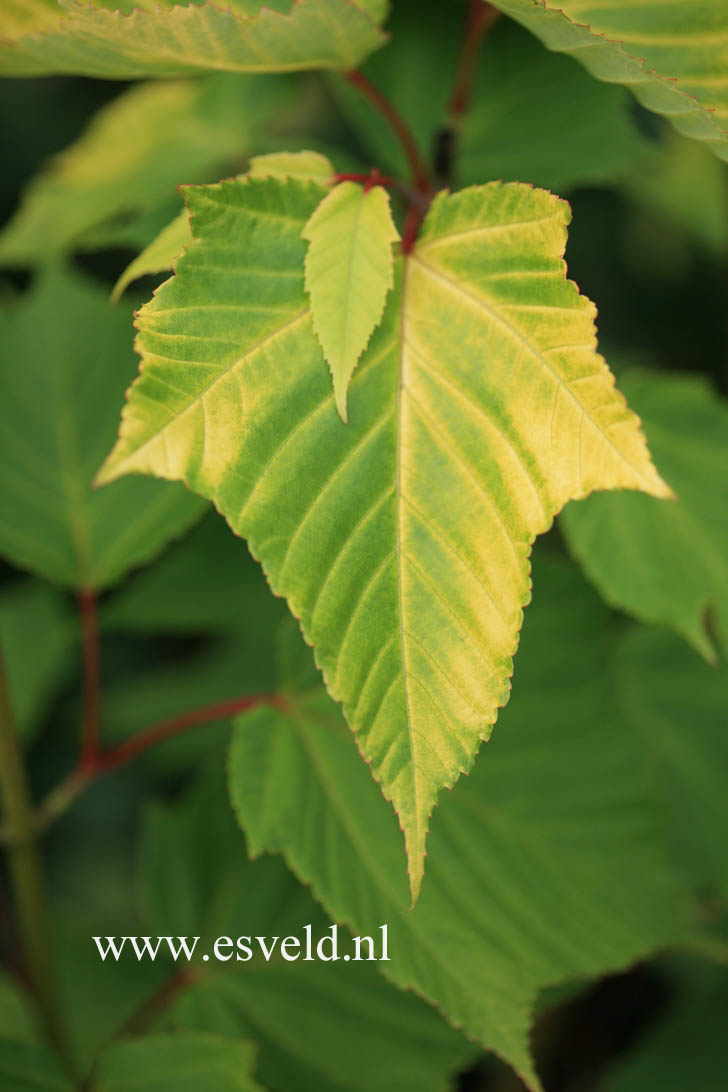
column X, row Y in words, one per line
column 25, row 876
column 90, row 767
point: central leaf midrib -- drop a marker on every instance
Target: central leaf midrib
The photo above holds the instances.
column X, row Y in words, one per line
column 398, row 545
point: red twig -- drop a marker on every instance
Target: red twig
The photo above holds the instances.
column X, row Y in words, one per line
column 90, row 732
column 142, row 741
column 480, row 18
column 374, row 178
column 411, row 227
column 88, row 770
column 420, row 173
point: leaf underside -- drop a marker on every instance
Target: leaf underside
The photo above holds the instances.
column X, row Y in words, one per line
column 673, row 56
column 131, row 40
column 401, row 542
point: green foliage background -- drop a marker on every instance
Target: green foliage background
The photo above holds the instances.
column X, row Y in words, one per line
column 572, row 921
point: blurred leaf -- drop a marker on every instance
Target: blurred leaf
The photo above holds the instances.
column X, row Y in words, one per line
column 534, row 117
column 682, row 183
column 28, row 1067
column 666, row 563
column 183, row 131
column 674, row 64
column 310, row 166
column 678, row 706
column 67, row 359
column 181, row 1062
column 402, row 540
column 226, row 669
column 158, row 256
column 16, row 1016
column 132, row 38
column 37, row 634
column 348, row 274
column 686, row 1050
column 322, row 1027
column 205, row 583
column 546, row 864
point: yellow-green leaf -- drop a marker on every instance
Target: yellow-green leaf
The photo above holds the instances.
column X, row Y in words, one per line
column 673, row 56
column 131, row 158
column 309, row 166
column 349, row 272
column 150, row 38
column 158, row 256
column 401, row 542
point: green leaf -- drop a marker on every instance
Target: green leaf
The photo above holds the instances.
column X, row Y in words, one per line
column 534, row 116
column 16, row 1011
column 226, row 669
column 682, row 184
column 349, row 274
column 27, row 1067
column 182, row 1062
column 685, row 1049
column 67, row 361
column 158, row 39
column 158, row 256
column 676, row 705
column 176, row 595
column 546, row 864
column 479, row 408
column 183, row 131
column 352, row 1030
column 37, row 634
column 308, row 166
column 674, row 65
column 666, row 563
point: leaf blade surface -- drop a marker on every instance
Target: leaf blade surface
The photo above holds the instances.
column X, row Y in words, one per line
column 547, row 863
column 67, row 359
column 672, row 56
column 479, row 408
column 666, row 563
column 172, row 40
column 348, row 274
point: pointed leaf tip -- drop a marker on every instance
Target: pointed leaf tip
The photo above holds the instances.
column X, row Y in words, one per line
column 348, row 275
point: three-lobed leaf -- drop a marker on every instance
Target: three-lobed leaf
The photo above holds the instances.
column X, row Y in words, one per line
column 348, row 274
column 401, row 542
